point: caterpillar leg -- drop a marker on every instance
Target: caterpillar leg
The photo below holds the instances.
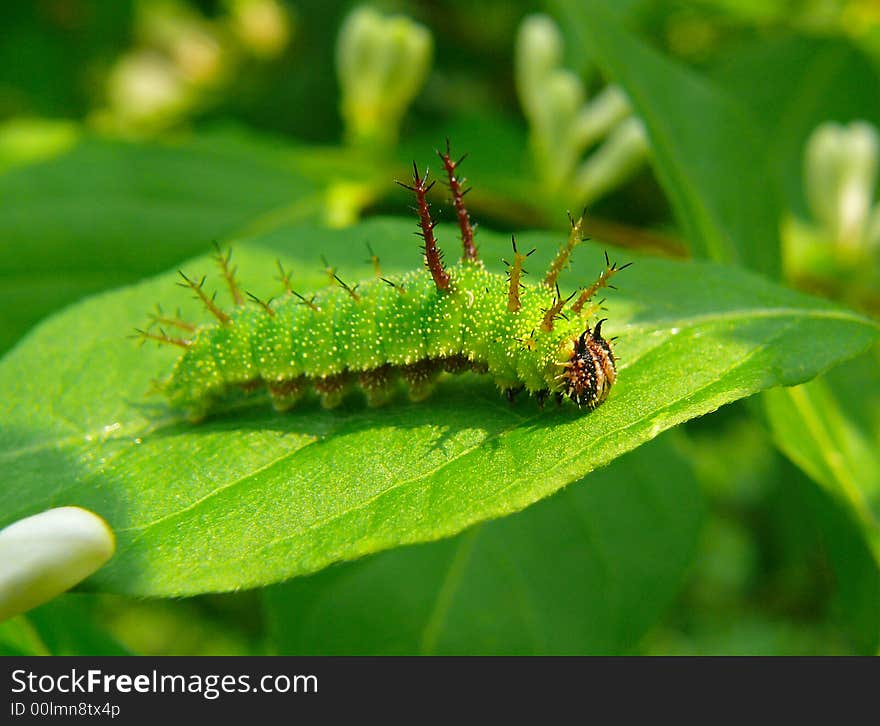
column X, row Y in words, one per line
column 332, row 389
column 511, row 393
column 286, row 394
column 456, row 364
column 378, row 385
column 420, row 377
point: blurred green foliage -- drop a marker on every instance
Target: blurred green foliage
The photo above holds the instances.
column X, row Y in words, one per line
column 779, row 536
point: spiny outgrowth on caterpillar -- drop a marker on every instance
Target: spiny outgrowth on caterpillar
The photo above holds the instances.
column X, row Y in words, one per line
column 284, row 278
column 456, row 185
column 374, row 261
column 529, row 342
column 555, row 310
column 575, row 237
column 161, row 337
column 308, row 302
column 396, row 285
column 159, row 318
column 209, row 302
column 433, row 255
column 407, row 328
column 223, row 261
column 515, row 272
column 264, row 304
column 611, row 269
column 329, row 269
column 352, row 291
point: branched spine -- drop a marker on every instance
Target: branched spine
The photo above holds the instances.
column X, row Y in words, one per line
column 562, row 257
column 228, row 272
column 374, row 261
column 284, row 277
column 208, row 302
column 350, row 290
column 162, row 337
column 263, row 304
column 610, row 270
column 515, row 273
column 159, row 318
column 433, row 255
column 555, row 310
column 456, row 184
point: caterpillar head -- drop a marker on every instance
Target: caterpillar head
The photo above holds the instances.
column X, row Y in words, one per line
column 590, row 371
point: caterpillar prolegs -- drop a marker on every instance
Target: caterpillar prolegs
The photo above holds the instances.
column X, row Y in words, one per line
column 410, row 327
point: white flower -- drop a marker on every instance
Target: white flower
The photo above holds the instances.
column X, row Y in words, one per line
column 841, row 174
column 44, row 555
column 563, row 124
column 382, row 62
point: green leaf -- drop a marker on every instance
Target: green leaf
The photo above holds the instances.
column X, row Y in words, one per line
column 847, row 554
column 25, row 141
column 703, row 142
column 69, row 625
column 107, row 213
column 586, row 571
column 19, row 637
column 830, row 428
column 254, row 497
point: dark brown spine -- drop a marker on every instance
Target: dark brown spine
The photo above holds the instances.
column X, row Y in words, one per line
column 456, row 184
column 433, row 256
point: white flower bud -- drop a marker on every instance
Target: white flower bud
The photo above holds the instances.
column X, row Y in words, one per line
column 562, row 125
column 263, row 26
column 840, row 173
column 599, row 116
column 538, row 55
column 382, row 63
column 44, row 555
column 145, row 88
column 619, row 156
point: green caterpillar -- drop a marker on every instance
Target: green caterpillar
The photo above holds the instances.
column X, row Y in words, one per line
column 411, row 327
